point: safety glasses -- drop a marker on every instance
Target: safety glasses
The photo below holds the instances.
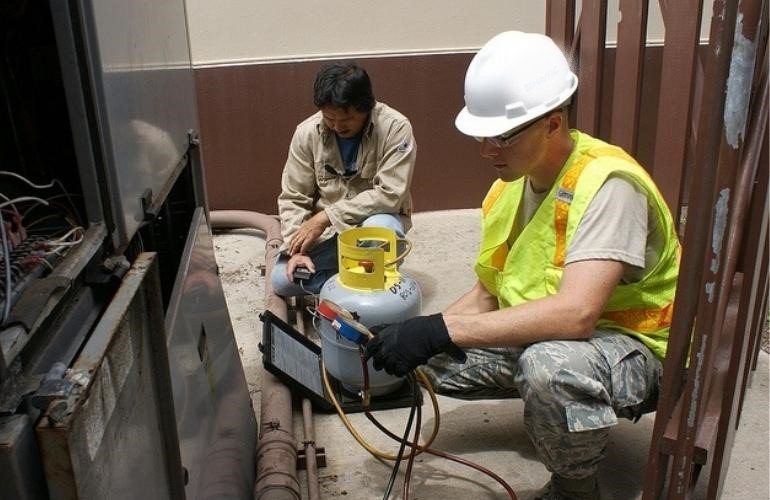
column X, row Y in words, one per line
column 508, row 138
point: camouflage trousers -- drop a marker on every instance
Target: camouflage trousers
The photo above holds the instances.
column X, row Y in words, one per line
column 573, row 391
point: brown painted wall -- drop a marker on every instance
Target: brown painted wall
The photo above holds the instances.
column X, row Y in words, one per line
column 248, row 114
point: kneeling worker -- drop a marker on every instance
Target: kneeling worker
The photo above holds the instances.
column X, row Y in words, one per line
column 350, row 164
column 576, row 270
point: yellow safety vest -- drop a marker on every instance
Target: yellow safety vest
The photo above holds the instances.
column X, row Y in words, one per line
column 532, row 268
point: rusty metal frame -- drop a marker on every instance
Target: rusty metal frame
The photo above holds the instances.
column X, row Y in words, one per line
column 119, row 383
column 702, row 272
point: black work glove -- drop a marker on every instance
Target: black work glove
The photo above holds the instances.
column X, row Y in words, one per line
column 400, row 347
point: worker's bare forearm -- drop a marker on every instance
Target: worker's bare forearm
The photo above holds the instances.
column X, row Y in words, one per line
column 543, row 319
column 474, row 301
column 569, row 314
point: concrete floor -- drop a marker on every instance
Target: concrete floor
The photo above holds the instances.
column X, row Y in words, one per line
column 489, row 433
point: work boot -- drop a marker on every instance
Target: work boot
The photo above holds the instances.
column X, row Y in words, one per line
column 562, row 488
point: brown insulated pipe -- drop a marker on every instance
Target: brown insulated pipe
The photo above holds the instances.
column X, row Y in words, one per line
column 277, row 449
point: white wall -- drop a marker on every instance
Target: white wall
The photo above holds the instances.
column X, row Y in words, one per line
column 248, row 31
column 256, row 30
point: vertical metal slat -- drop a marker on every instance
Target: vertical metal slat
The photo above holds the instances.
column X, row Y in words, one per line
column 629, row 66
column 560, row 22
column 676, row 95
column 593, row 29
column 716, row 161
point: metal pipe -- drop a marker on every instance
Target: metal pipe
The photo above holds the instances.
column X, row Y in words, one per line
column 277, row 449
column 311, row 464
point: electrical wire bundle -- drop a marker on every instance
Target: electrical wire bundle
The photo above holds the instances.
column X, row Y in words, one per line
column 35, row 232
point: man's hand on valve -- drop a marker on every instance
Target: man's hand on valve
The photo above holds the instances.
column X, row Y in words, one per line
column 399, row 348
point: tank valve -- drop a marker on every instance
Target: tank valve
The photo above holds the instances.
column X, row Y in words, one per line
column 343, row 322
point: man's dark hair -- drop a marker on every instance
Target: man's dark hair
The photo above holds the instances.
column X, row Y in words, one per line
column 343, row 85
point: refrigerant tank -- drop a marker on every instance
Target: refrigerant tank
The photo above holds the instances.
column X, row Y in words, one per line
column 369, row 286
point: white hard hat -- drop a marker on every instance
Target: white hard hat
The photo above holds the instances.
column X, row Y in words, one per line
column 514, row 78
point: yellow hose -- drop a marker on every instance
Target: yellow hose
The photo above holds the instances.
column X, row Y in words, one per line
column 353, row 432
column 349, row 426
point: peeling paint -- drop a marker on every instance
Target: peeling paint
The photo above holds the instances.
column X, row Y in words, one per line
column 709, row 287
column 80, row 377
column 721, row 16
column 739, row 85
column 721, row 210
column 722, row 12
column 696, row 382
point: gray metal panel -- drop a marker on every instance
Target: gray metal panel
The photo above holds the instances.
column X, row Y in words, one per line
column 139, row 61
column 21, row 477
column 215, row 419
column 114, row 435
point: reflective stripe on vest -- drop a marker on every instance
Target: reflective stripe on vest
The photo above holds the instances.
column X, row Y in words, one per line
column 642, row 320
column 498, row 258
column 564, row 196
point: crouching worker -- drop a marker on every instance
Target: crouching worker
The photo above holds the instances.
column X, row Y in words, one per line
column 350, row 164
column 576, row 271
